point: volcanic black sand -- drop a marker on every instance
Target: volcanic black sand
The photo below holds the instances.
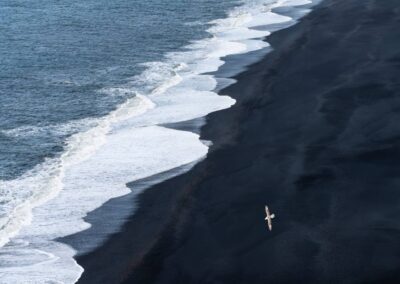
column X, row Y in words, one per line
column 315, row 134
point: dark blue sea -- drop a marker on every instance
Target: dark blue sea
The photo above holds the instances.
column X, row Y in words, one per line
column 57, row 56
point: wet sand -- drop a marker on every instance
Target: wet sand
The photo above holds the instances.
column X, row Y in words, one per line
column 315, row 134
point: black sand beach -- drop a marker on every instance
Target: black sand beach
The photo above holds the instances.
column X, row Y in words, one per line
column 315, row 134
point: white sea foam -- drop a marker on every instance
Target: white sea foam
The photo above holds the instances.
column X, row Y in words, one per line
column 61, row 129
column 102, row 155
column 118, row 91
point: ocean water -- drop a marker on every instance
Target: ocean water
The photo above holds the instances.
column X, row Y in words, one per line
column 85, row 88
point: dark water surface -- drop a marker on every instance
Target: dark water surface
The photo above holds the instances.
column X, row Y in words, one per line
column 57, row 59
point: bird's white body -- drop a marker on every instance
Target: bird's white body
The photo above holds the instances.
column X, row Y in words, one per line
column 269, row 217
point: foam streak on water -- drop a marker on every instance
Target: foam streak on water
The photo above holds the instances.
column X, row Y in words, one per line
column 51, row 200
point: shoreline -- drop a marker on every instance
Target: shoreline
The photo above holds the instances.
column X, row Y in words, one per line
column 235, row 66
column 297, row 139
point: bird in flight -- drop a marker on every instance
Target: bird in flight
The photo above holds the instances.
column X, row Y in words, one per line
column 269, row 217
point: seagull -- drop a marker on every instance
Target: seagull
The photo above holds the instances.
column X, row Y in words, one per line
column 269, row 217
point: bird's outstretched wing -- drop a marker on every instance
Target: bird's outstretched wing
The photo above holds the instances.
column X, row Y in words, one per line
column 266, row 210
column 269, row 224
